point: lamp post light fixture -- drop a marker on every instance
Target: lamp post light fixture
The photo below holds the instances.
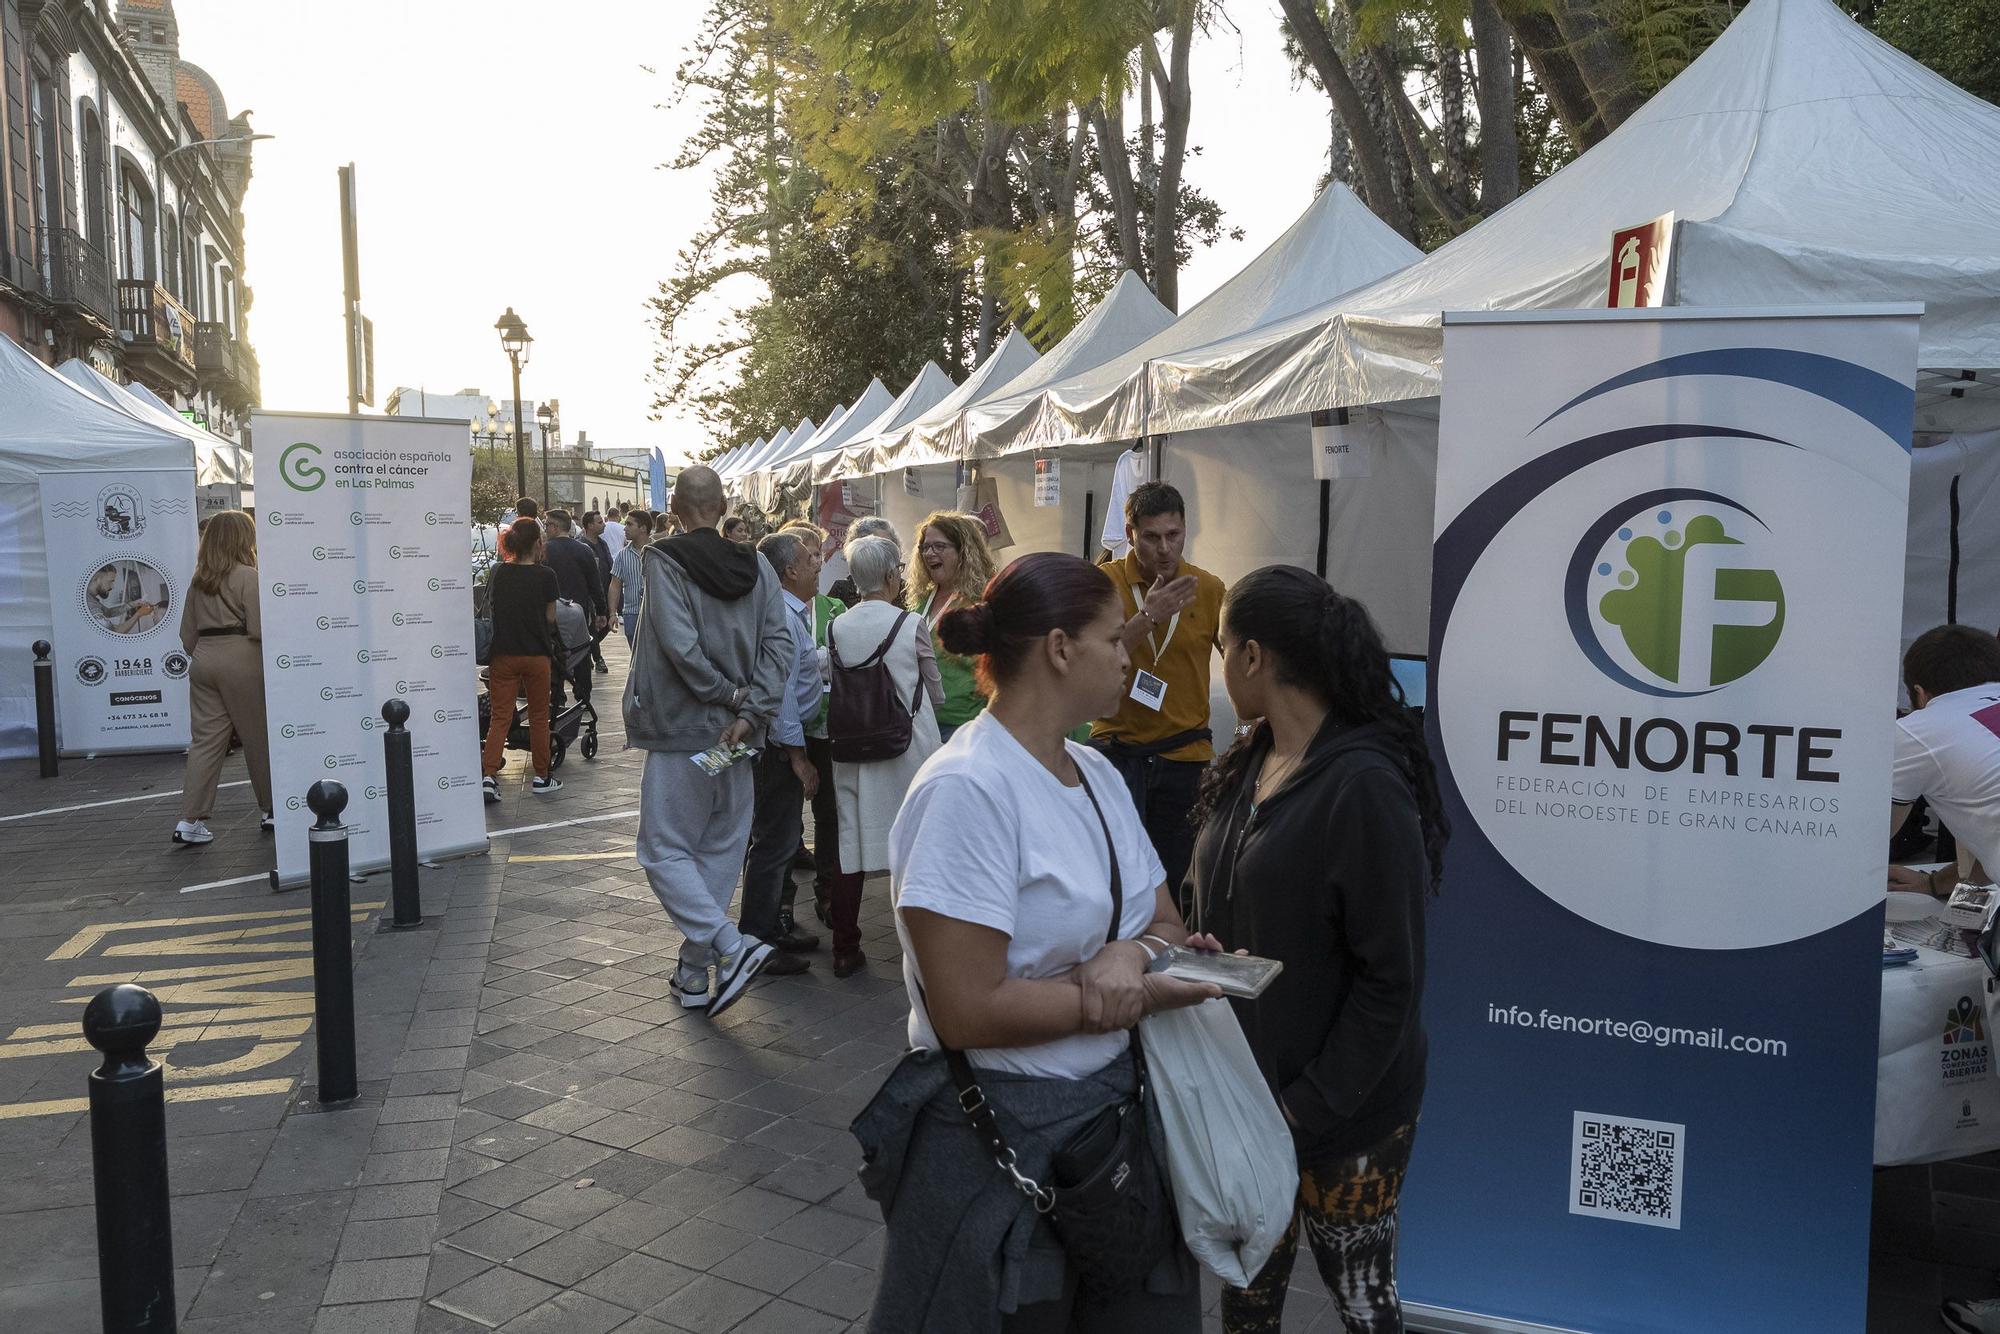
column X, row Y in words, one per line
column 515, row 340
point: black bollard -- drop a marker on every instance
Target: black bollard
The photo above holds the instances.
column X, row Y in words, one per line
column 402, row 816
column 128, row 1152
column 45, row 707
column 333, row 943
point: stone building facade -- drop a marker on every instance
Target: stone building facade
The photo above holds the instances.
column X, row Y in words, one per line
column 122, row 177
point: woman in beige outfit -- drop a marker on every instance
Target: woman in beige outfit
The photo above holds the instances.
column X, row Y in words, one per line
column 222, row 632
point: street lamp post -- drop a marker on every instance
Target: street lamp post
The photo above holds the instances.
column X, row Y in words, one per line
column 515, row 340
column 545, row 417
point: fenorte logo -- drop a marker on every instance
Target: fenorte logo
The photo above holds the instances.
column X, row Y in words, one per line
column 299, row 467
column 1675, row 600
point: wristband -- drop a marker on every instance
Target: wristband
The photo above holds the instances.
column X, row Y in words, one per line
column 1151, row 953
column 1164, row 943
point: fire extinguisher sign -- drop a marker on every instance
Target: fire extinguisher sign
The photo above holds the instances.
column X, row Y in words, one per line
column 1641, row 264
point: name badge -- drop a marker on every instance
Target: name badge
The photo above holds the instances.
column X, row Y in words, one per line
column 1149, row 689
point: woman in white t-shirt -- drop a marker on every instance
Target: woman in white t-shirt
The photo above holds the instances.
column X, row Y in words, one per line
column 1004, row 898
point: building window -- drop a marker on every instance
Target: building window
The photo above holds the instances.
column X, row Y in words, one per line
column 190, row 282
column 170, row 250
column 94, row 203
column 135, row 221
column 44, row 175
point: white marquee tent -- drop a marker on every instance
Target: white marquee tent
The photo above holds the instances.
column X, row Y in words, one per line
column 919, row 396
column 50, row 425
column 218, row 462
column 920, row 442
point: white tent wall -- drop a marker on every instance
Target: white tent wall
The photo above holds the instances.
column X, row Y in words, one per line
column 1061, row 527
column 1933, row 592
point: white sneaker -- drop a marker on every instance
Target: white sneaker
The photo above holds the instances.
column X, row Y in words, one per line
column 1968, row 1317
column 541, row 787
column 265, row 824
column 193, row 831
column 691, row 985
column 735, row 972
column 490, row 786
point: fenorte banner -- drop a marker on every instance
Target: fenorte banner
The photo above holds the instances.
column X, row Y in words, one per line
column 367, row 597
column 121, row 548
column 1667, row 584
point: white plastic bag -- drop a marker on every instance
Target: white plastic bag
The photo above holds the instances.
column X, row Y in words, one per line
column 1229, row 1154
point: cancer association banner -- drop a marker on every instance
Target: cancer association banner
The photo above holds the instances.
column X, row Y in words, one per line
column 121, row 551
column 361, row 545
column 1666, row 590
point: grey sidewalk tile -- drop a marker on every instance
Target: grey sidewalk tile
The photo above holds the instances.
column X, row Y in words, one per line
column 638, row 1282
column 377, row 1280
column 785, row 1317
column 567, row 1258
column 803, row 1179
column 279, row 1253
column 388, row 1317
column 386, row 1238
column 408, row 1199
column 681, row 1146
column 566, row 1157
column 504, row 1186
column 451, row 1267
column 411, row 1135
column 496, row 1296
column 698, row 1243
column 824, row 1231
column 709, row 1305
column 430, row 1107
column 768, row 1266
column 384, row 1169
column 633, row 1223
column 838, row 1289
column 570, row 1204
column 565, row 1116
column 503, row 1236
column 569, row 1313
column 753, row 1210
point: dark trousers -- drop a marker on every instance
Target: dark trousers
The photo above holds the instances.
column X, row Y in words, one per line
column 1164, row 792
column 845, row 911
column 826, row 822
column 776, row 824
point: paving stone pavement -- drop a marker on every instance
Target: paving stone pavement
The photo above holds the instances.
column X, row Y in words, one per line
column 544, row 1141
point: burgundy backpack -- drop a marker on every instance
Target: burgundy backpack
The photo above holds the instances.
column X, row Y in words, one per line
column 866, row 720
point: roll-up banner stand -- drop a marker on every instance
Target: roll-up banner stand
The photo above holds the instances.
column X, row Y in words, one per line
column 1665, row 605
column 121, row 549
column 367, row 597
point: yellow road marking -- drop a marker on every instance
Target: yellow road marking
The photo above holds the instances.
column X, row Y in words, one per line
column 250, row 1088
column 76, row 945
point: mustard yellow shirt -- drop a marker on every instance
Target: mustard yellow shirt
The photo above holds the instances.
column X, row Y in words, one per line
column 1179, row 653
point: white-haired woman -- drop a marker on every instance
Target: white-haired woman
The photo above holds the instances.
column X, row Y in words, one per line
column 835, row 578
column 868, row 795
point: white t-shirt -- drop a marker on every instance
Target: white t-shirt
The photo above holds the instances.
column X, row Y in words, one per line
column 1126, row 476
column 1948, row 753
column 614, row 537
column 988, row 835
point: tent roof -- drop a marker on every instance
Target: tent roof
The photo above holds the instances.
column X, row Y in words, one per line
column 212, row 464
column 1128, row 316
column 779, row 443
column 50, row 425
column 1333, row 247
column 919, row 396
column 1806, row 161
column 915, row 443
column 806, row 444
column 874, row 401
column 729, row 457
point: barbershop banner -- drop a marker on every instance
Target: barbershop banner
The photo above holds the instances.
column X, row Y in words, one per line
column 1666, row 591
column 367, row 597
column 121, row 549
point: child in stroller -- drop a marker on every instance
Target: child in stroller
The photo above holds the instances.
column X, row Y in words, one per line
column 566, row 720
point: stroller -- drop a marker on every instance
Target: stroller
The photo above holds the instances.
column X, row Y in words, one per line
column 567, row 721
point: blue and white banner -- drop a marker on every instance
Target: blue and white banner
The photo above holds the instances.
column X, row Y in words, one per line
column 1664, row 624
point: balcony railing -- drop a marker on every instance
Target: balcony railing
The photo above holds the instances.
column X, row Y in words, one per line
column 81, row 277
column 154, row 319
column 225, row 361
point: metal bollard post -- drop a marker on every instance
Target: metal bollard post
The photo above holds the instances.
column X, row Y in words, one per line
column 128, row 1151
column 402, row 816
column 333, row 943
column 45, row 706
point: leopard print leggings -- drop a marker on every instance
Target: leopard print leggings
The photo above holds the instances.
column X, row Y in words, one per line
column 1348, row 1209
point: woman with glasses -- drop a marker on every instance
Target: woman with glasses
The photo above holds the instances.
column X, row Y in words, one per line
column 950, row 566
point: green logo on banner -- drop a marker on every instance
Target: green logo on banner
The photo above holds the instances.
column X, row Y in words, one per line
column 299, row 467
column 1655, row 596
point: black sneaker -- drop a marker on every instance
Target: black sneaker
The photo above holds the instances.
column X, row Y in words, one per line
column 786, row 965
column 735, row 972
column 541, row 787
column 792, row 940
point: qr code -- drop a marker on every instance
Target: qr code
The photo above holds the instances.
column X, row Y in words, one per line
column 1627, row 1169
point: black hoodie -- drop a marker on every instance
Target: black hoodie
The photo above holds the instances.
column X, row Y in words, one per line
column 719, row 567
column 1329, row 874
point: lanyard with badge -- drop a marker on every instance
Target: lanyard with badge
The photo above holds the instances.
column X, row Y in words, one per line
column 1147, row 688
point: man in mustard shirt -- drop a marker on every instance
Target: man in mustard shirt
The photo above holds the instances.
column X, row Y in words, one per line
column 1159, row 738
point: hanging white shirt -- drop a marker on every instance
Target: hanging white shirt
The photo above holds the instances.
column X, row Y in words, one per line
column 1125, row 479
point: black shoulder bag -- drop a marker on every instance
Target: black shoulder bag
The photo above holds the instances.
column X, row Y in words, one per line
column 866, row 718
column 1107, row 1197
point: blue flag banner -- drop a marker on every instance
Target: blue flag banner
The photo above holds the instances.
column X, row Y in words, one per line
column 1667, row 584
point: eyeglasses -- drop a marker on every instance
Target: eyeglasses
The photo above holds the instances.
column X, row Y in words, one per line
column 935, row 548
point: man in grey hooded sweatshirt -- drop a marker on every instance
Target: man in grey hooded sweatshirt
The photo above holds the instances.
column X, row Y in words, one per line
column 709, row 661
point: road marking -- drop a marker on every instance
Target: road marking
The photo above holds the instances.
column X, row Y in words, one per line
column 575, row 856
column 250, row 1088
column 218, row 884
column 79, row 944
column 115, row 801
column 560, row 824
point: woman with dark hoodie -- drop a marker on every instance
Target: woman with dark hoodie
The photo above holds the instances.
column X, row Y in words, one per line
column 1321, row 832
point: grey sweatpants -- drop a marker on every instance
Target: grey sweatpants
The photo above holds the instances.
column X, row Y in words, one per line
column 692, row 833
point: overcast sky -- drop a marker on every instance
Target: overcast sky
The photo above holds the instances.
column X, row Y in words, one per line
column 508, row 155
